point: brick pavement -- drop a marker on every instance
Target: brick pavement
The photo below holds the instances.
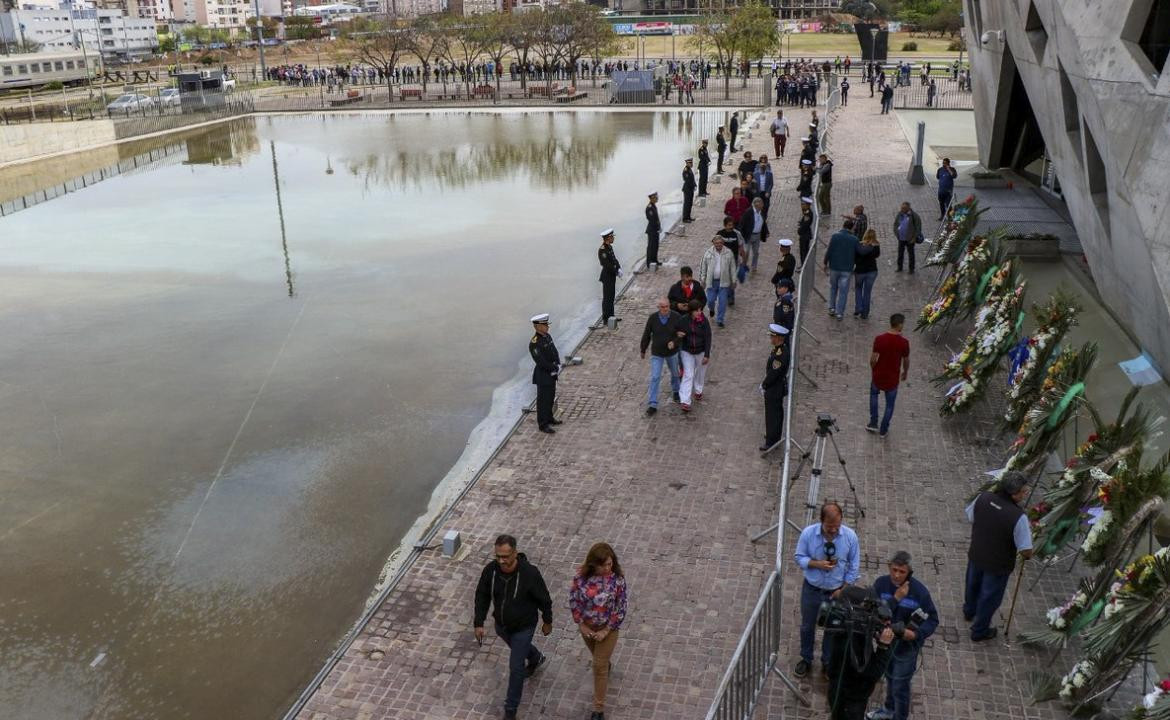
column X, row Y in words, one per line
column 679, row 495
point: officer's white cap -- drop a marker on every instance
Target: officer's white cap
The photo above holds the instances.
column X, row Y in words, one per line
column 806, row 200
column 777, row 329
column 540, row 319
column 690, row 159
column 607, row 232
column 812, row 124
column 653, row 194
column 804, row 139
column 806, row 161
column 785, row 242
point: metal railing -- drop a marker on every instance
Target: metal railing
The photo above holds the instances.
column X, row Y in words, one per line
column 949, row 95
column 756, row 654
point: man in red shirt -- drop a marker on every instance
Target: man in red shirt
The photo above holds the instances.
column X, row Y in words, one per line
column 889, row 360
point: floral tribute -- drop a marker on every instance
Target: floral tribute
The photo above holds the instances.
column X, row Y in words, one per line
column 1068, row 619
column 1031, row 356
column 954, row 235
column 1154, row 705
column 1060, row 397
column 996, row 325
column 1126, row 501
column 959, row 295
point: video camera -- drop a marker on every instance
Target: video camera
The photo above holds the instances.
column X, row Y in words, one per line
column 913, row 622
column 826, row 423
column 856, row 611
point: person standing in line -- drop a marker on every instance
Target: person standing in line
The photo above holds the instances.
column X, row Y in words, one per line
column 653, row 230
column 845, row 92
column 747, row 166
column 734, row 128
column 684, row 291
column 753, row 226
column 908, row 230
column 661, row 336
column 775, row 387
column 931, row 91
column 889, row 362
column 804, row 227
column 872, row 81
column 887, row 99
column 611, row 270
column 999, row 531
column 515, row 590
column 765, row 181
column 695, row 355
column 828, row 554
column 825, row 187
column 597, row 600
column 779, row 132
column 717, row 273
column 946, row 186
column 721, row 149
column 786, row 265
column 840, row 257
column 865, row 273
column 804, row 185
column 544, row 373
column 688, row 189
column 905, row 596
column 704, row 163
column 737, row 244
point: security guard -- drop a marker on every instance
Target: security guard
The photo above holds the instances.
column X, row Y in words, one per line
column 784, row 311
column 807, row 151
column 804, row 228
column 786, row 266
column 704, row 163
column 611, row 270
column 544, row 374
column 653, row 229
column 775, row 387
column 688, row 188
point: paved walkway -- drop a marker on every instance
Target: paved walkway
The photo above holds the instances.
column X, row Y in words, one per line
column 679, row 495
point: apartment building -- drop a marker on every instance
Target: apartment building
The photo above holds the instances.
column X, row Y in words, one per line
column 226, row 14
column 109, row 32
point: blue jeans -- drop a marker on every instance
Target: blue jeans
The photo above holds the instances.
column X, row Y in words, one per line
column 863, row 289
column 522, row 654
column 891, row 396
column 983, row 595
column 810, row 604
column 899, row 673
column 717, row 293
column 656, row 376
column 839, row 290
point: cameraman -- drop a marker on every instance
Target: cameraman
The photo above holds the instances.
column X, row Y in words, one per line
column 855, row 664
column 828, row 554
column 912, row 608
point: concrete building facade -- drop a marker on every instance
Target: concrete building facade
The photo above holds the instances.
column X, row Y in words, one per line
column 784, row 9
column 107, row 31
column 1076, row 95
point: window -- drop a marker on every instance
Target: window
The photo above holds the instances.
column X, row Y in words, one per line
column 22, row 69
column 34, row 68
column 7, row 71
column 1037, row 35
column 68, row 64
column 1146, row 34
column 58, row 65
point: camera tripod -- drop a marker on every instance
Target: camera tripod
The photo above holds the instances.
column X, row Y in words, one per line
column 822, row 436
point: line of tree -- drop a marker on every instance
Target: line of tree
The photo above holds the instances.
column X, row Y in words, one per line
column 927, row 16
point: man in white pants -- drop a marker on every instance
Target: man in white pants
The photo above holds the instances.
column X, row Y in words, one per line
column 696, row 353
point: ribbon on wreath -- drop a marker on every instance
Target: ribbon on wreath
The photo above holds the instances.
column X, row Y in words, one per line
column 1019, row 355
column 1059, row 535
column 1089, row 615
column 1019, row 322
column 1069, row 395
column 982, row 287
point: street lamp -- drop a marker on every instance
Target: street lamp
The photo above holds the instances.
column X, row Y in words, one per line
column 873, row 32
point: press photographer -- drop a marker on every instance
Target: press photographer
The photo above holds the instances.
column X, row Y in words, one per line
column 857, row 628
column 829, row 557
column 914, row 614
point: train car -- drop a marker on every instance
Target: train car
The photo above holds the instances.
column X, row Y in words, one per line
column 34, row 70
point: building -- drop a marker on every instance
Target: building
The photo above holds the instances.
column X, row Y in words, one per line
column 472, row 7
column 784, row 9
column 1076, row 96
column 415, row 8
column 224, row 14
column 107, row 31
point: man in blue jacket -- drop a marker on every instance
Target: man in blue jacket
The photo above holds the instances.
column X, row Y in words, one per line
column 905, row 597
column 840, row 256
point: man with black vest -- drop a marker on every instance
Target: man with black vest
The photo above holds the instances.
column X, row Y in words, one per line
column 999, row 532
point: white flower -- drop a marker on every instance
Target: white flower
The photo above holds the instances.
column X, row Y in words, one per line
column 1115, row 606
column 1151, row 698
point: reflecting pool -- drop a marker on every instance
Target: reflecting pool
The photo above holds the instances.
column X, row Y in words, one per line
column 236, row 363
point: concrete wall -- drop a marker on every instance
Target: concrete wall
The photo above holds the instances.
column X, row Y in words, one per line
column 1090, row 85
column 23, row 142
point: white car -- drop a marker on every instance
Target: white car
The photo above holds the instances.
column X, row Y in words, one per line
column 129, row 102
column 169, row 98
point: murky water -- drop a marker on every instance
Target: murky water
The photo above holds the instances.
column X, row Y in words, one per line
column 230, row 378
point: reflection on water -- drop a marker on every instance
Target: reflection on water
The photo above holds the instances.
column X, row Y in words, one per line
column 232, row 378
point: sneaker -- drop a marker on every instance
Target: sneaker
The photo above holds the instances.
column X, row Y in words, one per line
column 801, row 668
column 651, row 410
column 539, row 664
column 879, row 714
column 720, row 324
column 883, row 433
column 871, row 428
column 698, row 396
column 675, row 397
column 686, row 408
column 832, row 313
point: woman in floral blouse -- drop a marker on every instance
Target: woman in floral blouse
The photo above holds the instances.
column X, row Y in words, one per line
column 597, row 599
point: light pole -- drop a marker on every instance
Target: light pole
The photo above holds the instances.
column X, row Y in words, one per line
column 873, row 32
column 260, row 39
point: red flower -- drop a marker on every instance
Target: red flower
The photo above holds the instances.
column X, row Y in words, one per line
column 1092, row 438
column 1165, row 685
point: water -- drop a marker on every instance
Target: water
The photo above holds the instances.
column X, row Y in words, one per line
column 222, row 406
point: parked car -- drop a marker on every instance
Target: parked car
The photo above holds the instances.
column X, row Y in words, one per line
column 169, row 98
column 130, row 102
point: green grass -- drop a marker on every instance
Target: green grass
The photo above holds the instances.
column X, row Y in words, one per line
column 801, row 44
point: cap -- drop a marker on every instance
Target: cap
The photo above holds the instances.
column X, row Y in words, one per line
column 607, row 232
column 786, row 282
column 653, row 194
column 812, row 124
column 777, row 330
column 806, row 161
column 704, row 139
column 806, row 200
column 785, row 242
column 804, row 139
column 690, row 159
column 541, row 319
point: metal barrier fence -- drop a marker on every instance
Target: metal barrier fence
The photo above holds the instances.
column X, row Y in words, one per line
column 234, row 105
column 756, row 654
column 949, row 95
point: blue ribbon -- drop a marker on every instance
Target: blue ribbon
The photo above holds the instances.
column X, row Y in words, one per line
column 1019, row 355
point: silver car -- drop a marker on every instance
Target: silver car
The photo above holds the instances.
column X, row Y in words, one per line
column 129, row 102
column 169, row 98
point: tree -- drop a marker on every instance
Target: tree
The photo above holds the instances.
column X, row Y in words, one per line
column 575, row 26
column 524, row 34
column 463, row 42
column 425, row 39
column 269, row 26
column 602, row 41
column 863, row 9
column 378, row 43
column 548, row 44
column 497, row 30
column 716, row 29
column 754, row 33
column 300, row 28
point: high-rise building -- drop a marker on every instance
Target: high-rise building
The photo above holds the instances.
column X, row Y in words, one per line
column 224, row 14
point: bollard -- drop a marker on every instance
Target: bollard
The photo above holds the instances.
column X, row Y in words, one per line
column 451, row 543
column 916, row 176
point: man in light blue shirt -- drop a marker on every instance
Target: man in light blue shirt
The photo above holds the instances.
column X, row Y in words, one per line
column 830, row 558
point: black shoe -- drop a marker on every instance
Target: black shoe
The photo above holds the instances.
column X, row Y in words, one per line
column 801, row 668
column 651, row 410
column 871, row 428
column 509, row 715
column 547, row 429
column 539, row 664
column 897, row 269
column 710, row 312
column 969, row 618
column 764, row 448
column 597, row 715
column 720, row 324
column 676, row 397
column 985, row 636
column 556, row 422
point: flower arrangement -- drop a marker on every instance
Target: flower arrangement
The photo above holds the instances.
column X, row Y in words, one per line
column 1125, row 501
column 1154, row 705
column 1061, row 390
column 958, row 296
column 1076, row 678
column 1068, row 619
column 954, row 235
column 1031, row 357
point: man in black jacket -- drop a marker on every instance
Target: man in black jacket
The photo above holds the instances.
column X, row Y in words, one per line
column 775, row 387
column 721, row 149
column 734, row 127
column 662, row 334
column 688, row 189
column 516, row 591
column 704, row 163
column 611, row 270
column 653, row 229
column 544, row 373
column 850, row 685
column 685, row 290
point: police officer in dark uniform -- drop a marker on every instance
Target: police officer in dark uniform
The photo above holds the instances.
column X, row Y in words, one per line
column 720, row 148
column 775, row 387
column 544, row 374
column 786, row 266
column 807, row 151
column 784, row 311
column 804, row 229
column 611, row 270
column 688, row 188
column 704, row 163
column 653, row 229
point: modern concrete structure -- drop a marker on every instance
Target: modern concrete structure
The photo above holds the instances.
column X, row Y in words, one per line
column 107, row 31
column 1076, row 96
